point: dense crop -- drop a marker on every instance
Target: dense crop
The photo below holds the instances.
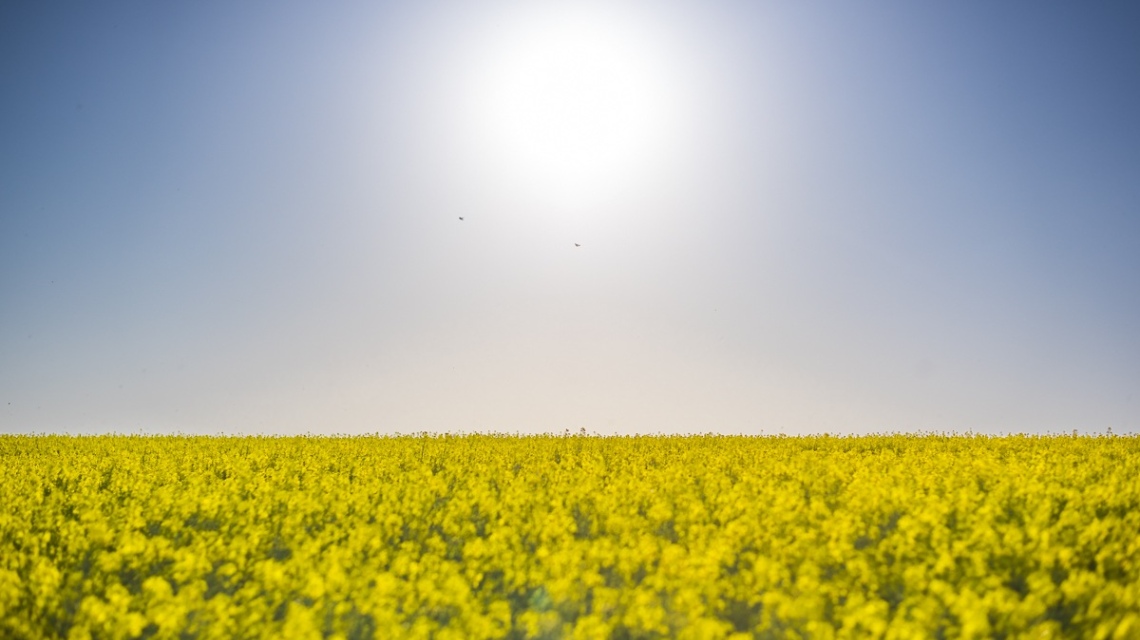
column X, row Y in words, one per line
column 490, row 537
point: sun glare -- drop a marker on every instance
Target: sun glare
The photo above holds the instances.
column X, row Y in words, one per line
column 576, row 102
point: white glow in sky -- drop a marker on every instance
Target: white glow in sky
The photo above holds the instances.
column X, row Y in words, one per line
column 572, row 101
column 676, row 217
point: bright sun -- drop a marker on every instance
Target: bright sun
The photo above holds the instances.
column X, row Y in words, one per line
column 574, row 101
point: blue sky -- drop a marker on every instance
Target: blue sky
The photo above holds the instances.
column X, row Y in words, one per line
column 846, row 218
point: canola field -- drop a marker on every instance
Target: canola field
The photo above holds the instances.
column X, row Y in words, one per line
column 487, row 536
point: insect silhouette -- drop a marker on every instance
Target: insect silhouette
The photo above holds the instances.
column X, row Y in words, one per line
column 460, row 217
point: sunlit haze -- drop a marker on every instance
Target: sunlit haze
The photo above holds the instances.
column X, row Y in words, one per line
column 624, row 217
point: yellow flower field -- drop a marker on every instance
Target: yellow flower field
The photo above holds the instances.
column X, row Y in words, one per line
column 570, row 537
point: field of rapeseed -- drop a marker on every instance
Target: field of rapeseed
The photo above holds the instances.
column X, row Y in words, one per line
column 571, row 537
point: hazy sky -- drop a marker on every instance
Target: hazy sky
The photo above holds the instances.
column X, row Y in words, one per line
column 793, row 217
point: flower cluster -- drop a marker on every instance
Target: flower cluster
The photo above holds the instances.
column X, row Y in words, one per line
column 487, row 536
